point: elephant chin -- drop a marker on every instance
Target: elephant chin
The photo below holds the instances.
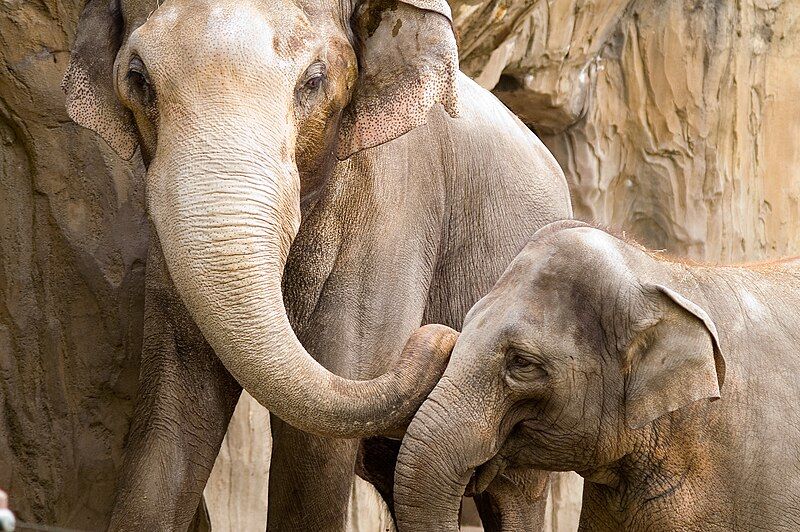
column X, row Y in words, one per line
column 226, row 215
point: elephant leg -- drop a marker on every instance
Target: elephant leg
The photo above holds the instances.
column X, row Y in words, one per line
column 375, row 463
column 515, row 502
column 185, row 400
column 310, row 480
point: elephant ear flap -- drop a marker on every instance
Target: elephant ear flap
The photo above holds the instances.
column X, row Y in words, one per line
column 673, row 360
column 89, row 80
column 408, row 62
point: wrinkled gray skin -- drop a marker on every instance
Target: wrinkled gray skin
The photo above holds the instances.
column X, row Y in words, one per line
column 594, row 355
column 266, row 247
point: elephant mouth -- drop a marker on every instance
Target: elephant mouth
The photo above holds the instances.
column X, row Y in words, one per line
column 485, row 474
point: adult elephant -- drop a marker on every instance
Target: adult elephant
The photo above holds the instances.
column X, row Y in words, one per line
column 308, row 194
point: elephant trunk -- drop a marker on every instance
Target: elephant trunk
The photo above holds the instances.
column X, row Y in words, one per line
column 441, row 448
column 224, row 200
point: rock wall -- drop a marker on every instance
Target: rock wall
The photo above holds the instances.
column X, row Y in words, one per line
column 676, row 121
column 72, row 248
column 236, row 493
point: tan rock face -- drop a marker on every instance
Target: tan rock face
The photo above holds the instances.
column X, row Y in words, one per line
column 236, row 492
column 72, row 247
column 676, row 121
column 537, row 54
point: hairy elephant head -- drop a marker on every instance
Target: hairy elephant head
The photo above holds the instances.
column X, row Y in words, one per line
column 241, row 109
column 558, row 368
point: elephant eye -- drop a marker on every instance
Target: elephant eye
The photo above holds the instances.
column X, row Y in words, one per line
column 139, row 79
column 518, row 362
column 314, row 83
column 314, row 77
column 137, row 71
column 523, row 366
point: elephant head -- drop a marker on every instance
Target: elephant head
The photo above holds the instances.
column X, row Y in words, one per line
column 575, row 349
column 241, row 109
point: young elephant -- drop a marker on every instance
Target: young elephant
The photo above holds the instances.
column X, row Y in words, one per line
column 594, row 355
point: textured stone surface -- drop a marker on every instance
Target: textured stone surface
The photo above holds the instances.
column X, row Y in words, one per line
column 72, row 247
column 236, row 492
column 676, row 121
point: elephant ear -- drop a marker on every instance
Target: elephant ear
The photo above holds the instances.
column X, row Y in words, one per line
column 408, row 62
column 89, row 80
column 673, row 360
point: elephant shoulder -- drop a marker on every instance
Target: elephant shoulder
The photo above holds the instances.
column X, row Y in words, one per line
column 491, row 144
column 486, row 121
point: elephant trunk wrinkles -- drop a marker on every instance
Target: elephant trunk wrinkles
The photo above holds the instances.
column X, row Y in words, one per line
column 441, row 448
column 226, row 214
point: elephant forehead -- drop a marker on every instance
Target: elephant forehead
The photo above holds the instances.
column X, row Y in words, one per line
column 242, row 35
column 500, row 320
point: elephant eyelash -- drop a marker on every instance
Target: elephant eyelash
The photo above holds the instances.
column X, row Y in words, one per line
column 137, row 73
column 522, row 362
column 520, row 358
column 136, row 66
column 524, row 366
column 314, row 77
